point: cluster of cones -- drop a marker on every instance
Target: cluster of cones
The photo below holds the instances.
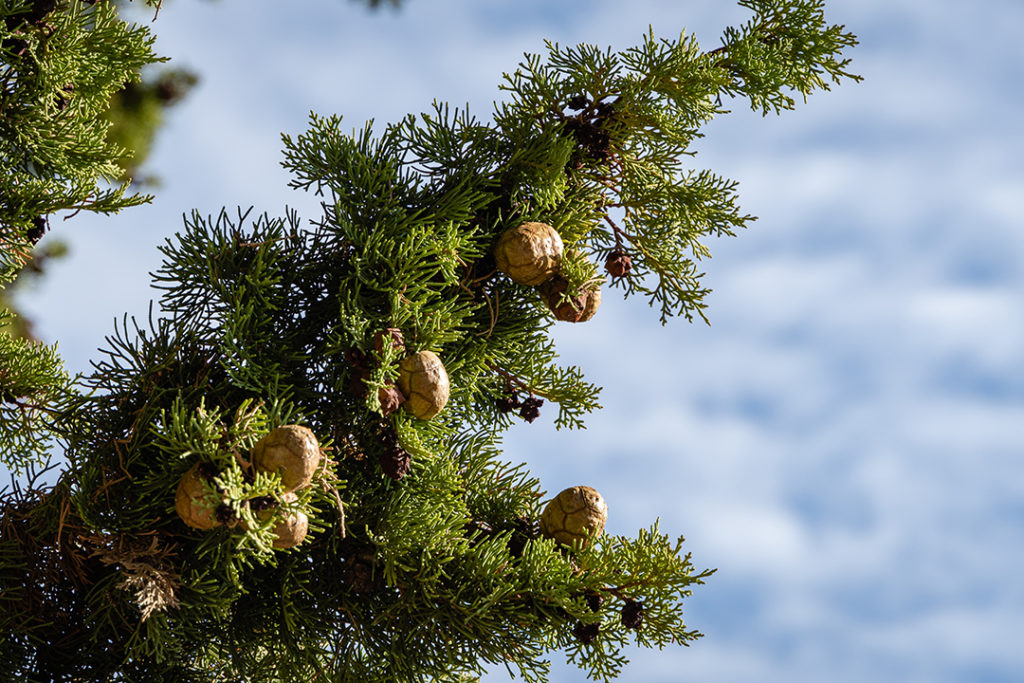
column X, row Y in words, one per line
column 292, row 452
column 531, row 254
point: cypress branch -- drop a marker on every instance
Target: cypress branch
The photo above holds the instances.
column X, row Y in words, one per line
column 387, row 334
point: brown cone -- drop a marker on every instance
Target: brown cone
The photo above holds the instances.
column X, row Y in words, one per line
column 292, row 451
column 189, row 501
column 292, row 528
column 618, row 264
column 576, row 309
column 529, row 253
column 390, row 399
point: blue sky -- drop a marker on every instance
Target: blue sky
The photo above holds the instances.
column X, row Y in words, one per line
column 844, row 442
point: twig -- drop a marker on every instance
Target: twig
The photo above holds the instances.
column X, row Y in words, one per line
column 513, row 379
column 493, row 310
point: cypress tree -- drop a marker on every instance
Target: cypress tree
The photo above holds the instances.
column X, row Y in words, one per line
column 292, row 471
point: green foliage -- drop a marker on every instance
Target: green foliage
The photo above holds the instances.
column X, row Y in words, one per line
column 63, row 125
column 635, row 114
column 786, row 47
column 36, row 394
column 424, row 559
column 34, row 391
column 58, row 72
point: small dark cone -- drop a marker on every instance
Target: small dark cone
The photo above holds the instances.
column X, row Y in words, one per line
column 167, row 91
column 594, row 600
column 618, row 264
column 586, row 633
column 40, row 224
column 508, row 403
column 392, row 336
column 578, row 102
column 633, row 614
column 524, row 530
column 395, row 463
column 530, row 410
column 225, row 514
column 172, row 87
column 390, row 399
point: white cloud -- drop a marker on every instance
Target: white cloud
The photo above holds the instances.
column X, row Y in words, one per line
column 978, row 325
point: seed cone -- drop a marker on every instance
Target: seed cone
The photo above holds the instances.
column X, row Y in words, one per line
column 586, row 633
column 392, row 337
column 424, row 381
column 390, row 399
column 530, row 408
column 633, row 614
column 529, row 253
column 189, row 501
column 574, row 515
column 618, row 264
column 292, row 529
column 290, row 450
column 576, row 309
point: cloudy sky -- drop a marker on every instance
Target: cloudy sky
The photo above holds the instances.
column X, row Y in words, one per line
column 844, row 442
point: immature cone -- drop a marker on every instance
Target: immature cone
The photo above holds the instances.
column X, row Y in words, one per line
column 392, row 337
column 530, row 408
column 424, row 381
column 574, row 515
column 576, row 309
column 390, row 398
column 290, row 450
column 508, row 402
column 291, row 530
column 189, row 501
column 529, row 253
column 633, row 614
column 618, row 264
column 586, row 633
column 396, row 462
